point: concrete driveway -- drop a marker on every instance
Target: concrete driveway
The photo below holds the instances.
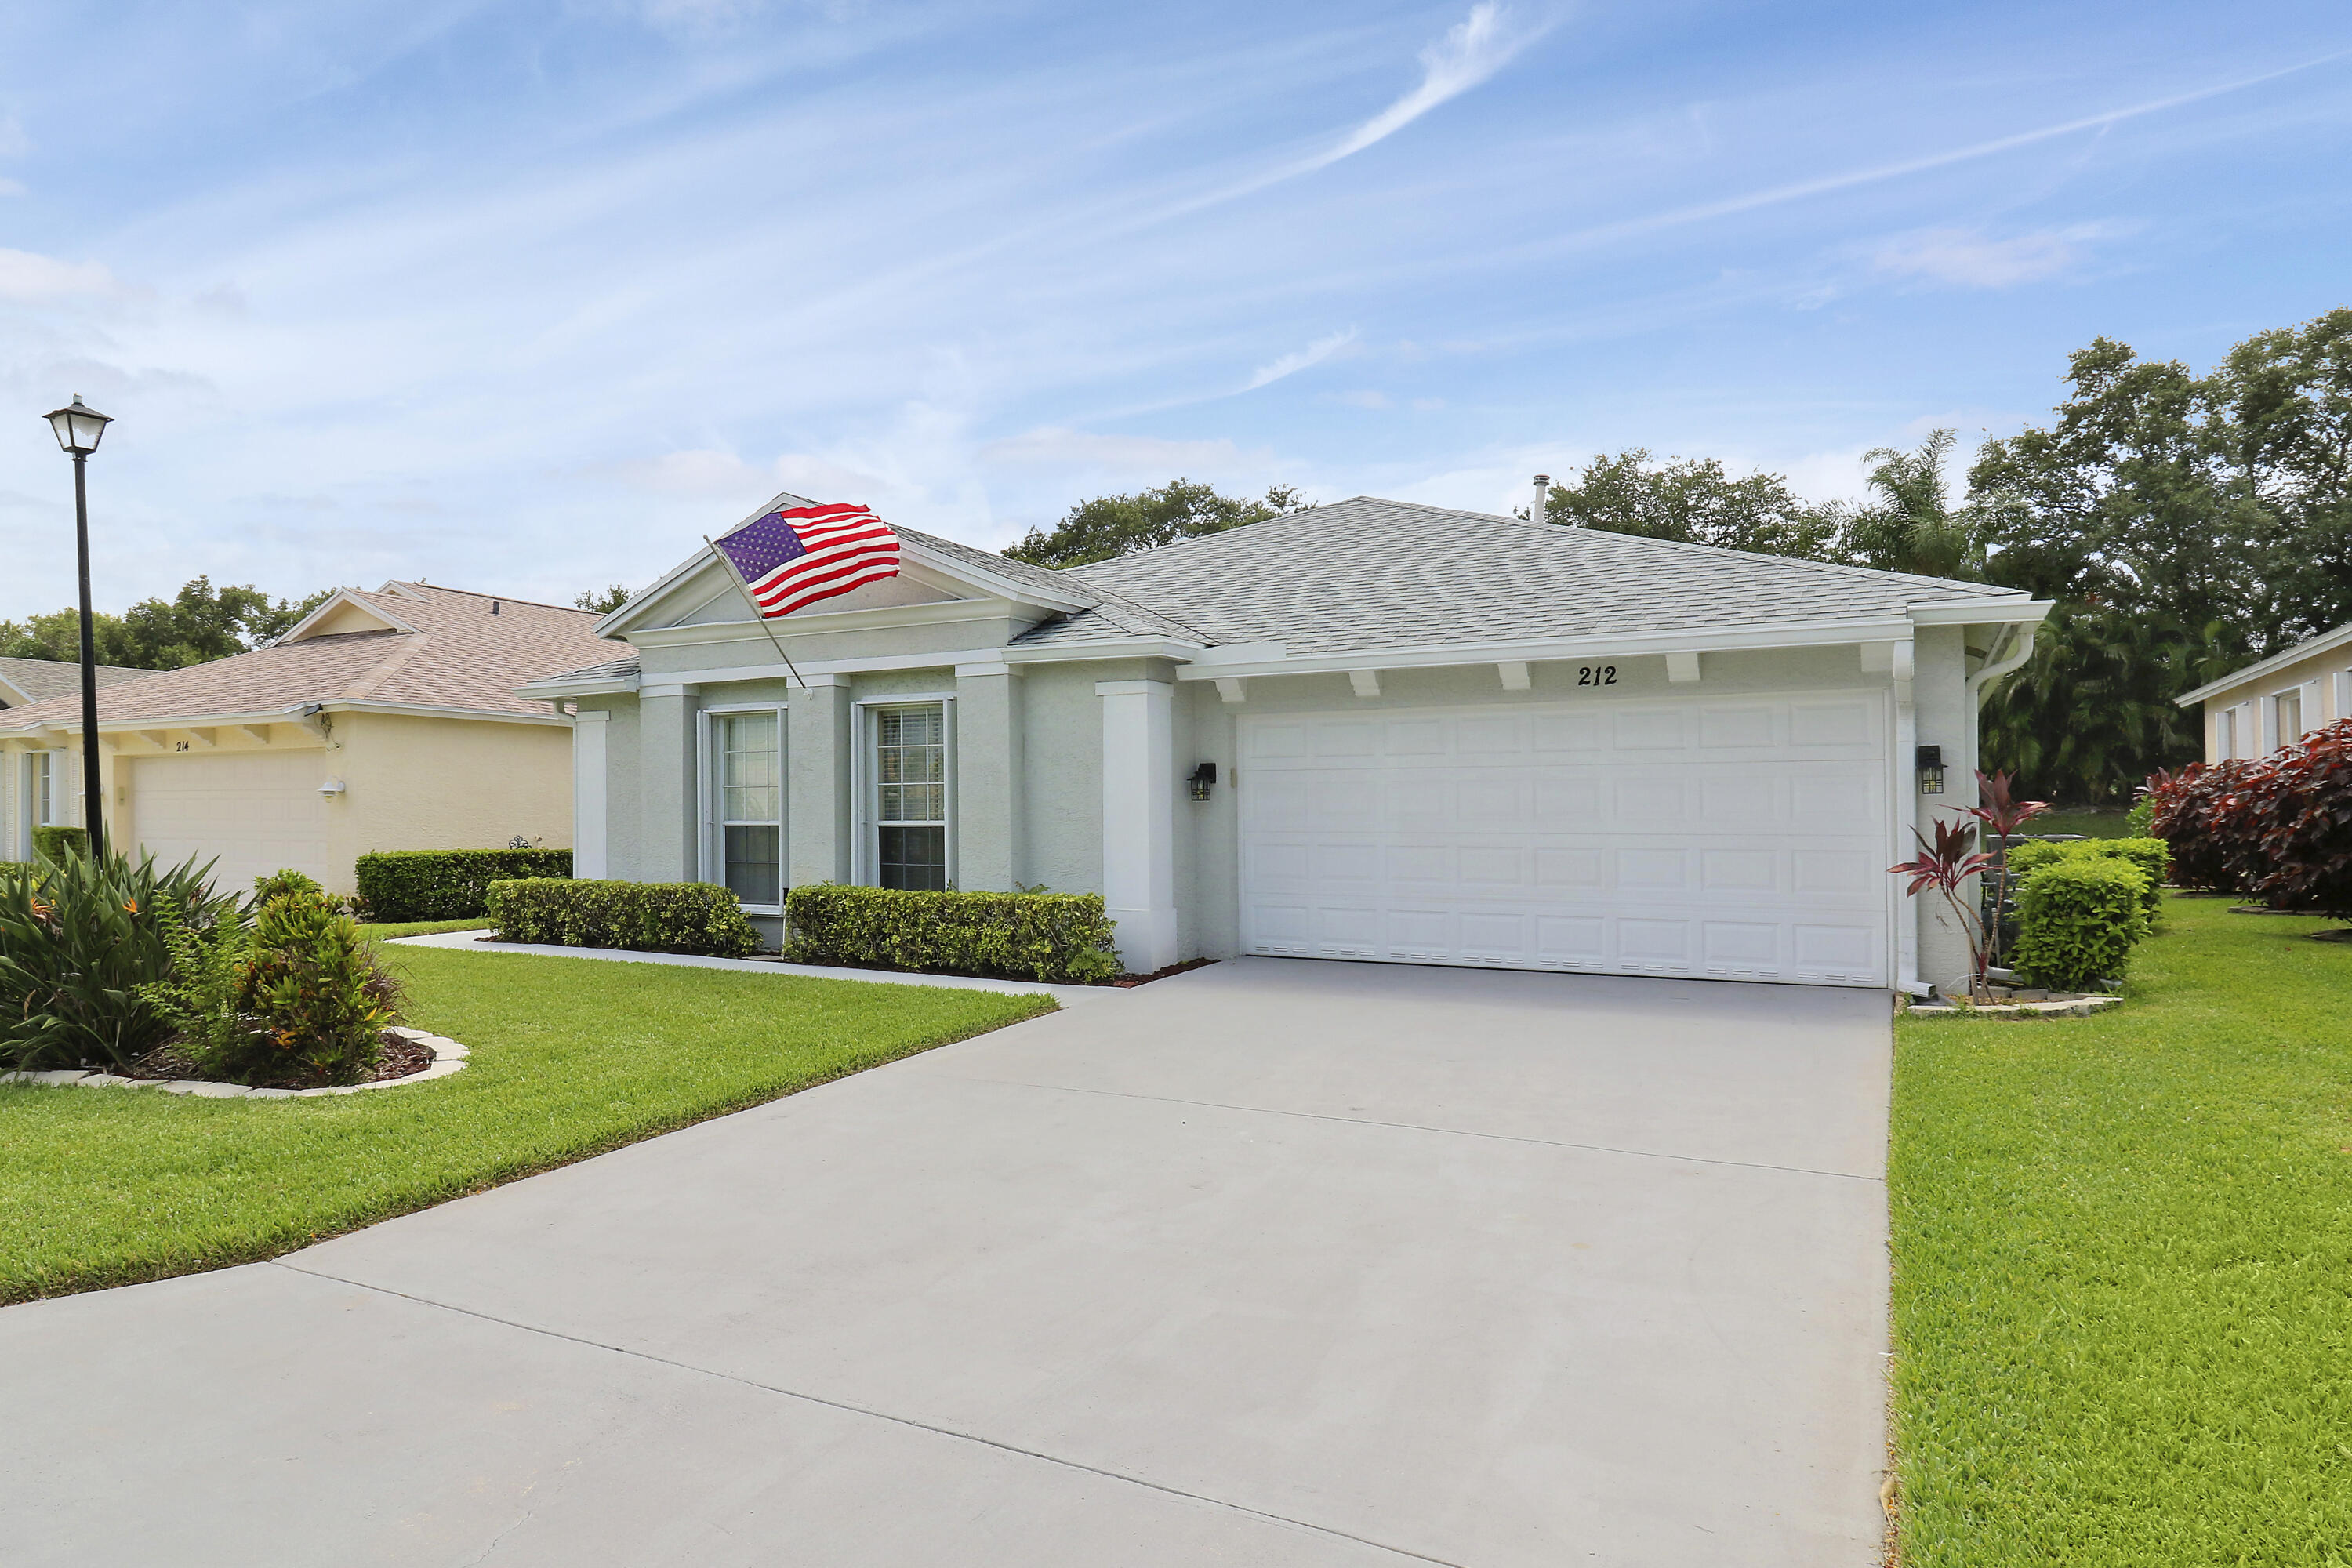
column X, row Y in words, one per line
column 1277, row 1262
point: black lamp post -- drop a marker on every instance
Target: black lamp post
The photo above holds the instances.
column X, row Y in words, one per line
column 78, row 427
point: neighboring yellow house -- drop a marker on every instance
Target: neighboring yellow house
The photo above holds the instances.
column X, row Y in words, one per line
column 386, row 720
column 2253, row 711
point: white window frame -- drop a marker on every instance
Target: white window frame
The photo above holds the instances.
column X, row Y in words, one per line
column 41, row 792
column 2225, row 734
column 710, row 860
column 866, row 853
column 2280, row 739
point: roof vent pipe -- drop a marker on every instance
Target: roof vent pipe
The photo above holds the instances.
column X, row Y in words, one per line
column 1543, row 498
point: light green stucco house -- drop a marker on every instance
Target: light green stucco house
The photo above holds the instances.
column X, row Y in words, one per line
column 1435, row 737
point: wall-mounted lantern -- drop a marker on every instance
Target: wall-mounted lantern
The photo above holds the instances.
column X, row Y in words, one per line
column 332, row 789
column 1203, row 778
column 1931, row 770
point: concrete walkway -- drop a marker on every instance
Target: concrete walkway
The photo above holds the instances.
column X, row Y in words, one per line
column 1277, row 1262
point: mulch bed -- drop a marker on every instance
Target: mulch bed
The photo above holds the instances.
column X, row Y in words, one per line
column 398, row 1057
column 1129, row 982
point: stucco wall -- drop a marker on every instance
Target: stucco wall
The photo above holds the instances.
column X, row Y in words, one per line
column 2325, row 679
column 446, row 783
column 1055, row 835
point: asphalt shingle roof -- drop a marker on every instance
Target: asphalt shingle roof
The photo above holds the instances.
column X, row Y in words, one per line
column 459, row 655
column 1367, row 573
column 42, row 678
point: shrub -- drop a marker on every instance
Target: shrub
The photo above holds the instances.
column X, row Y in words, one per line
column 445, row 884
column 2198, row 813
column 79, row 938
column 2138, row 818
column 298, row 998
column 54, row 843
column 320, row 1001
column 200, row 999
column 641, row 917
column 2079, row 919
column 2300, row 818
column 2148, row 854
column 1056, row 937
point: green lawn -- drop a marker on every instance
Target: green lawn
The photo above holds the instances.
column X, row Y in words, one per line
column 2123, row 1265
column 421, row 928
column 2089, row 824
column 569, row 1057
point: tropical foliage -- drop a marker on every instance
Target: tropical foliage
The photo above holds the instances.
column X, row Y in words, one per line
column 80, row 938
column 1945, row 865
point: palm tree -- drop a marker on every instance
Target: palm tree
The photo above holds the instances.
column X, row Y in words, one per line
column 1911, row 527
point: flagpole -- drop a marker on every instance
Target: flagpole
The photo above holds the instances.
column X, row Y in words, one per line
column 736, row 572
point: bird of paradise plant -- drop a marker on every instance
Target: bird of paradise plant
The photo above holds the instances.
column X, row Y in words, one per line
column 1946, row 865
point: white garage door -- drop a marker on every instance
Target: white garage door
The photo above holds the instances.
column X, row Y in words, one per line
column 1735, row 839
column 256, row 812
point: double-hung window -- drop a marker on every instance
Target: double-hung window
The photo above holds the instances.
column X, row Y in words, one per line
column 44, row 789
column 910, row 796
column 2225, row 733
column 2288, row 710
column 747, row 800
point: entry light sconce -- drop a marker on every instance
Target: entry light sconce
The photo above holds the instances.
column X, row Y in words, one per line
column 332, row 788
column 1205, row 778
column 1931, row 770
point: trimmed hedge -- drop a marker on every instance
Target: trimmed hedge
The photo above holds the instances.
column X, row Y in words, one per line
column 2079, row 919
column 641, row 917
column 54, row 843
column 1056, row 937
column 2149, row 855
column 445, row 884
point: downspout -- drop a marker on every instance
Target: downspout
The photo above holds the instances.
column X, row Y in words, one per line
column 1999, row 665
column 1907, row 813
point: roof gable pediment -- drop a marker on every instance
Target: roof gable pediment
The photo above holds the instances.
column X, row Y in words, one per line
column 702, row 591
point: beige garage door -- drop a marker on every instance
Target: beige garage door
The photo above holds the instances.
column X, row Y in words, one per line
column 255, row 812
column 1729, row 838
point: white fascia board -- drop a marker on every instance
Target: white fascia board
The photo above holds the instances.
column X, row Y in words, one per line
column 2254, row 673
column 1016, row 589
column 425, row 711
column 2006, row 610
column 1109, row 647
column 1783, row 634
column 603, row 686
column 342, row 597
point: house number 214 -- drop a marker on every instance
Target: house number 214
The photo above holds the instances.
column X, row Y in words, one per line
column 1596, row 675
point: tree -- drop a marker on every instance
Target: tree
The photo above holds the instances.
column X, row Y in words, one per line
column 606, row 602
column 2186, row 524
column 1111, row 526
column 1912, row 527
column 1694, row 501
column 200, row 622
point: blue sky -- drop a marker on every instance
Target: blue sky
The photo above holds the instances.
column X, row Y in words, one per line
column 527, row 297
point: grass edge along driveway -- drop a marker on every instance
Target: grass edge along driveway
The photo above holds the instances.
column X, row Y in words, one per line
column 568, row 1058
column 2123, row 1265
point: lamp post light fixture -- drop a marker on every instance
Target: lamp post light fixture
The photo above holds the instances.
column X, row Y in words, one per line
column 78, row 427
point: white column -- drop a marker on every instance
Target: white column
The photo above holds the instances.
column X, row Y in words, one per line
column 1138, row 770
column 591, row 841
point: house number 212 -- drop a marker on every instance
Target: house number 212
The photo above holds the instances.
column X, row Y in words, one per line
column 1596, row 675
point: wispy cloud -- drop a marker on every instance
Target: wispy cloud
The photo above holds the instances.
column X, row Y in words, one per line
column 1828, row 184
column 1967, row 259
column 1298, row 360
column 1472, row 51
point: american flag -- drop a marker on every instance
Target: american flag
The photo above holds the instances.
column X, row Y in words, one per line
column 794, row 557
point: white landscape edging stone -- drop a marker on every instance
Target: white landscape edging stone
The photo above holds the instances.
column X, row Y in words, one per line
column 448, row 1056
column 2069, row 1008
